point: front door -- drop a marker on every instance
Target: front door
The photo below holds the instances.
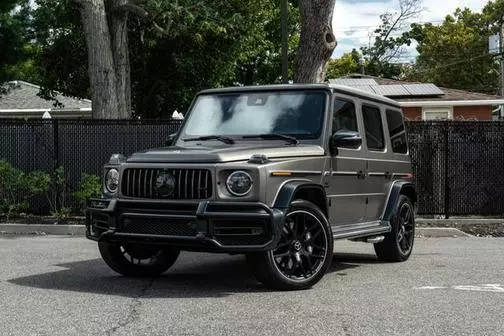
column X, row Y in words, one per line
column 346, row 181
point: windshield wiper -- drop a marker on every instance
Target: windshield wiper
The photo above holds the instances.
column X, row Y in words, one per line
column 269, row 136
column 225, row 139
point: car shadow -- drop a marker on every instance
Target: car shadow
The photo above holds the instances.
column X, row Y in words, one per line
column 208, row 276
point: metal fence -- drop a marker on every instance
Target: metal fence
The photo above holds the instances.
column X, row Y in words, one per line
column 459, row 165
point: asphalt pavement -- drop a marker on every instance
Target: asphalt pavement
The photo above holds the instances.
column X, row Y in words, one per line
column 57, row 285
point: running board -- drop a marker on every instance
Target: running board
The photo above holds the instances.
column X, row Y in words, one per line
column 359, row 231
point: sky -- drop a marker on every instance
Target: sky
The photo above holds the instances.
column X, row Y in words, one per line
column 355, row 19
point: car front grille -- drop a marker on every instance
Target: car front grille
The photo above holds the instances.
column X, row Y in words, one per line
column 190, row 184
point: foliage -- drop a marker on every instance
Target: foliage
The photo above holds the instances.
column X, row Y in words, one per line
column 15, row 34
column 90, row 186
column 56, row 193
column 388, row 46
column 454, row 54
column 17, row 187
column 347, row 64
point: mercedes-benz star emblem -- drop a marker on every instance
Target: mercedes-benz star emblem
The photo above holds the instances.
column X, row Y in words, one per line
column 165, row 184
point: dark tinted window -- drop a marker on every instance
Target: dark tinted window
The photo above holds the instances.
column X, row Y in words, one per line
column 374, row 128
column 397, row 132
column 344, row 116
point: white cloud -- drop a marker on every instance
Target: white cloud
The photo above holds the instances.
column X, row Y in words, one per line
column 355, row 19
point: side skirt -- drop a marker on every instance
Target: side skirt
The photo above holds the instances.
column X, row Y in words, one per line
column 361, row 230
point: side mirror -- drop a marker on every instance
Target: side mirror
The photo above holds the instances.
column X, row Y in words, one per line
column 345, row 139
column 171, row 138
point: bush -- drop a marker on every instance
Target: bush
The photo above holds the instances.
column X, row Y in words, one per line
column 17, row 187
column 90, row 186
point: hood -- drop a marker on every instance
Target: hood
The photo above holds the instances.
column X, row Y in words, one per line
column 223, row 154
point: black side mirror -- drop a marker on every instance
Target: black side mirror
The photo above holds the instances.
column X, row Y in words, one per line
column 171, row 138
column 345, row 139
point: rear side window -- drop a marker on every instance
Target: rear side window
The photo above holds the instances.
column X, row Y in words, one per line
column 397, row 132
column 344, row 116
column 374, row 128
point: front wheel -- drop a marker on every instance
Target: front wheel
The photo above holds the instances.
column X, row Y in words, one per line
column 137, row 260
column 303, row 254
column 398, row 243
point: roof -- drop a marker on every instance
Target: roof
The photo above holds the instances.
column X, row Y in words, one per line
column 333, row 87
column 448, row 96
column 23, row 96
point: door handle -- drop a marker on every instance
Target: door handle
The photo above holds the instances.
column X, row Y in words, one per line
column 361, row 174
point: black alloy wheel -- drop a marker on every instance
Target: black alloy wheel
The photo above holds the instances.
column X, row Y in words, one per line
column 303, row 254
column 302, row 247
column 398, row 243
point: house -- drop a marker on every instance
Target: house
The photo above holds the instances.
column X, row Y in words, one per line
column 21, row 100
column 426, row 101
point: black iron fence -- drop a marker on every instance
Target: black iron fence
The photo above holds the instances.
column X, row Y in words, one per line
column 459, row 165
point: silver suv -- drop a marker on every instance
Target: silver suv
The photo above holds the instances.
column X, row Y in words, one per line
column 273, row 172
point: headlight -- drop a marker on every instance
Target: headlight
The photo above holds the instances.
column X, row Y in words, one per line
column 112, row 180
column 239, row 183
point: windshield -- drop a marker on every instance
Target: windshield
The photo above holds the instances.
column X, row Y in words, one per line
column 294, row 113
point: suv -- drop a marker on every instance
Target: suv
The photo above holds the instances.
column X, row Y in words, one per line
column 273, row 172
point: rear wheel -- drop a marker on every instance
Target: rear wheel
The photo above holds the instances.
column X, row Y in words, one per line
column 398, row 243
column 137, row 260
column 303, row 254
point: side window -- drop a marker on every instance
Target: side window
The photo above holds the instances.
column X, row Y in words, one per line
column 344, row 118
column 397, row 132
column 374, row 128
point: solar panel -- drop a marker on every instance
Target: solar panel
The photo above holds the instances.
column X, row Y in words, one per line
column 367, row 88
column 423, row 89
column 391, row 90
column 353, row 81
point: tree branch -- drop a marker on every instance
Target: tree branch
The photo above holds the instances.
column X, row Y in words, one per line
column 134, row 9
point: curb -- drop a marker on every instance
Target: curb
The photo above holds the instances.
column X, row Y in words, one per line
column 441, row 222
column 80, row 230
column 73, row 230
column 439, row 232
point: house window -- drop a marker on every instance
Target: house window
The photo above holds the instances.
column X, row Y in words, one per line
column 437, row 113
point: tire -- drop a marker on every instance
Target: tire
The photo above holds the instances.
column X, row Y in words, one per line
column 303, row 254
column 398, row 243
column 136, row 260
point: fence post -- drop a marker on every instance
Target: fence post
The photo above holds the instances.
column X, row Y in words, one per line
column 55, row 143
column 446, row 173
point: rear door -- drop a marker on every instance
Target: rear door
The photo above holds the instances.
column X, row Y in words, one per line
column 346, row 181
column 378, row 170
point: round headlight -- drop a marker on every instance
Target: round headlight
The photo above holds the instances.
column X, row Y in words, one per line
column 239, row 183
column 112, row 180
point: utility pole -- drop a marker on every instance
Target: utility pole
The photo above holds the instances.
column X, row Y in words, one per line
column 285, row 41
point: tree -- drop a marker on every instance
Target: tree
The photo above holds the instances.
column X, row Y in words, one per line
column 454, row 54
column 15, row 36
column 388, row 46
column 317, row 41
column 347, row 64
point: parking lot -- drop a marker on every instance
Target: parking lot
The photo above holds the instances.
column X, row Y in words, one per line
column 53, row 285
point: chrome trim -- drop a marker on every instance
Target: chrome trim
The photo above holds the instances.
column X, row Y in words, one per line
column 354, row 195
column 345, row 173
column 378, row 174
column 371, row 159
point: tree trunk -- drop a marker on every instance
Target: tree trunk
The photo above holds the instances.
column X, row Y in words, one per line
column 317, row 41
column 108, row 58
column 120, row 51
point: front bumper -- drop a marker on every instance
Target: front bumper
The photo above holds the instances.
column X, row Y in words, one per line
column 234, row 227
